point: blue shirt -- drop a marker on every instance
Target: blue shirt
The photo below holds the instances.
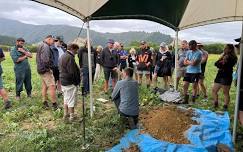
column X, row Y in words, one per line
column 126, row 92
column 194, row 56
column 123, row 53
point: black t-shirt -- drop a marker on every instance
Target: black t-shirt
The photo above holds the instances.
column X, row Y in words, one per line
column 144, row 57
column 160, row 55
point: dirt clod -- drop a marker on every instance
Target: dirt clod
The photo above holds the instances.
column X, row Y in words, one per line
column 168, row 123
column 132, row 148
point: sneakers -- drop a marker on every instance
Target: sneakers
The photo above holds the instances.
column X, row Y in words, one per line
column 7, row 105
column 45, row 105
column 225, row 107
column 55, row 106
column 216, row 104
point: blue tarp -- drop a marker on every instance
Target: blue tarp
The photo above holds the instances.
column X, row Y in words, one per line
column 213, row 129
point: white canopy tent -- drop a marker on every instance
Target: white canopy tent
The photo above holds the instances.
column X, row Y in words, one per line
column 193, row 13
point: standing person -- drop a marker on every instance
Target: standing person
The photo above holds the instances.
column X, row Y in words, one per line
column 123, row 55
column 98, row 68
column 70, row 79
column 201, row 85
column 132, row 61
column 44, row 60
column 84, row 64
column 126, row 99
column 22, row 69
column 171, row 50
column 3, row 92
column 57, row 52
column 153, row 59
column 193, row 62
column 181, row 68
column 223, row 79
column 110, row 60
column 163, row 63
column 144, row 63
column 241, row 85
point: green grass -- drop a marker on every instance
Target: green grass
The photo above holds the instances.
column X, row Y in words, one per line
column 27, row 127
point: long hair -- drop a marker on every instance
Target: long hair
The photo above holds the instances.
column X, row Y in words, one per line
column 229, row 53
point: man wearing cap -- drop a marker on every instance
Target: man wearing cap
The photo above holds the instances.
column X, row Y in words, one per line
column 123, row 57
column 144, row 63
column 57, row 52
column 203, row 67
column 22, row 69
column 3, row 92
column 44, row 60
column 110, row 60
column 193, row 70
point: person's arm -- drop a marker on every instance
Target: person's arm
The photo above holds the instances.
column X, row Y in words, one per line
column 25, row 52
column 16, row 58
column 149, row 59
column 45, row 55
column 197, row 59
column 116, row 91
column 204, row 57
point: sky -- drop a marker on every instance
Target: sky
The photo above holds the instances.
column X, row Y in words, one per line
column 33, row 13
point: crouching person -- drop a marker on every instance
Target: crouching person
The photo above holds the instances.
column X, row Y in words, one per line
column 70, row 79
column 125, row 97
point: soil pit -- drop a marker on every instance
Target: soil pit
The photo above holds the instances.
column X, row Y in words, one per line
column 132, row 148
column 167, row 123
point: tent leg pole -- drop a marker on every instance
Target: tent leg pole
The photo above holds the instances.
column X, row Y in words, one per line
column 90, row 70
column 176, row 51
column 238, row 87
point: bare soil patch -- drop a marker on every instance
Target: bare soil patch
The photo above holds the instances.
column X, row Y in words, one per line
column 168, row 123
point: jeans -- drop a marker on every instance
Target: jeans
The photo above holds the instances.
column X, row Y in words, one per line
column 85, row 77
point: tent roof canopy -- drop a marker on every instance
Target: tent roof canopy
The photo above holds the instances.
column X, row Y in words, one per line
column 176, row 14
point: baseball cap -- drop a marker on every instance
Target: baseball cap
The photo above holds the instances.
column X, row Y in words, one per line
column 20, row 39
column 111, row 41
column 237, row 40
column 50, row 36
column 162, row 44
column 142, row 42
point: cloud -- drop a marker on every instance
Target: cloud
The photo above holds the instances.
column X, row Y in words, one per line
column 34, row 13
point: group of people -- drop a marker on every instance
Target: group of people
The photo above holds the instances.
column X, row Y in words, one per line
column 60, row 74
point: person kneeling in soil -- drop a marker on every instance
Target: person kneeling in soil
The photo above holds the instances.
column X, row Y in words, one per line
column 125, row 97
column 70, row 79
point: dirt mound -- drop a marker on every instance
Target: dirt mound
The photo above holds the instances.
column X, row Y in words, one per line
column 132, row 148
column 167, row 123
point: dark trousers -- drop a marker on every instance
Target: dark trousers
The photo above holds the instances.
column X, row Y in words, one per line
column 85, row 77
column 128, row 120
column 23, row 77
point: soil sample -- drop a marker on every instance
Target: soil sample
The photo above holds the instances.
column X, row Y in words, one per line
column 167, row 123
column 132, row 148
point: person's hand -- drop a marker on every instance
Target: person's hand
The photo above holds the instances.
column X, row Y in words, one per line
column 21, row 50
column 114, row 69
column 147, row 64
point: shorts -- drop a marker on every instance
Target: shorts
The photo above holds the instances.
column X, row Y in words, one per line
column 70, row 95
column 48, row 78
column 192, row 77
column 1, row 81
column 156, row 69
column 144, row 72
column 110, row 72
column 181, row 72
column 226, row 80
column 56, row 73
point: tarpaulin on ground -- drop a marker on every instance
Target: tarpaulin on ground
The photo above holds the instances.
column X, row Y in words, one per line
column 213, row 129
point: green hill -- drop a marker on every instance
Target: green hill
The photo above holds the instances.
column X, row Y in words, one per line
column 36, row 33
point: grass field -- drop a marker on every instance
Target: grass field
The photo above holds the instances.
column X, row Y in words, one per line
column 27, row 127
